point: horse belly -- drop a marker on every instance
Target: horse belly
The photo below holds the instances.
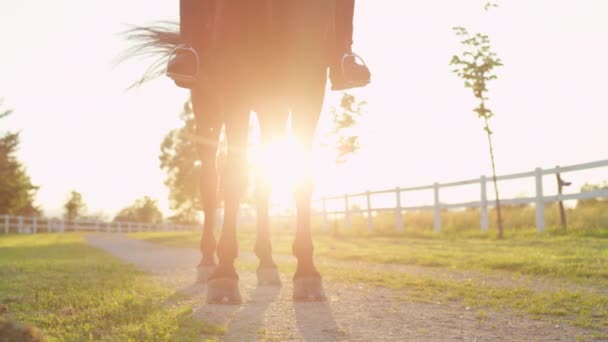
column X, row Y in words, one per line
column 242, row 43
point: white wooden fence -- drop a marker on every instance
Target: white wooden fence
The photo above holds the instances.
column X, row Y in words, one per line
column 32, row 225
column 539, row 200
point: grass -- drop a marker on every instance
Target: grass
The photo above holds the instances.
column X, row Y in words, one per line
column 588, row 310
column 73, row 292
column 576, row 258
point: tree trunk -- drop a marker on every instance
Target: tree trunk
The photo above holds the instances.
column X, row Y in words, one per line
column 498, row 211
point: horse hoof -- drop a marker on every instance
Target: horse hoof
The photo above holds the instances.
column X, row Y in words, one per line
column 203, row 273
column 268, row 277
column 223, row 291
column 308, row 289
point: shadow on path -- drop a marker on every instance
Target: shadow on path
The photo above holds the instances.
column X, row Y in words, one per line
column 316, row 320
column 249, row 322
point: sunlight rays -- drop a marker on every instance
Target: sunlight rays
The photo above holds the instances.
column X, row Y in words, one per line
column 283, row 165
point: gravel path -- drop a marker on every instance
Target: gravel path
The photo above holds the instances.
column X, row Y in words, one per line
column 353, row 313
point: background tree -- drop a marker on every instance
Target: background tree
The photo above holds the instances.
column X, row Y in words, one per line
column 144, row 210
column 179, row 159
column 74, row 207
column 17, row 193
column 589, row 187
column 344, row 119
column 475, row 65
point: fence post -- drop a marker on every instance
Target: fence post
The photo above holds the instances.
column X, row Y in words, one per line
column 560, row 192
column 20, row 224
column 540, row 204
column 399, row 211
column 437, row 218
column 346, row 212
column 325, row 224
column 62, row 226
column 35, row 225
column 6, row 224
column 370, row 219
column 484, row 204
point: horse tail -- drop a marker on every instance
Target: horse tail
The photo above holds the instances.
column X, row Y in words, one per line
column 156, row 41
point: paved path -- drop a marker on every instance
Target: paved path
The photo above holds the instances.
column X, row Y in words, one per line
column 353, row 313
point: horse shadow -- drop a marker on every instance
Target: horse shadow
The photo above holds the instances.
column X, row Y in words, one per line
column 316, row 322
column 242, row 322
column 248, row 323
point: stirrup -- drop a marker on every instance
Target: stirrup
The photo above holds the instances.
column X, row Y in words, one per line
column 354, row 83
column 183, row 80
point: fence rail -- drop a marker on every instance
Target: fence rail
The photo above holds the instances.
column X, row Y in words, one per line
column 33, row 225
column 29, row 225
column 539, row 200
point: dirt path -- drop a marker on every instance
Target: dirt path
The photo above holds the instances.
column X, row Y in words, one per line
column 353, row 313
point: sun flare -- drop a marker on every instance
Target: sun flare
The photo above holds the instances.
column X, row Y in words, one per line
column 281, row 164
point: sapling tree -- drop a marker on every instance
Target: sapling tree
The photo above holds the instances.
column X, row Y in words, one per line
column 74, row 206
column 475, row 65
column 344, row 119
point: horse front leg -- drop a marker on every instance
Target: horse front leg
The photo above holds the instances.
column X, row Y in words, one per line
column 307, row 282
column 223, row 285
column 208, row 125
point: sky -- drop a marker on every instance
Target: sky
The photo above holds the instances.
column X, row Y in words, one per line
column 81, row 129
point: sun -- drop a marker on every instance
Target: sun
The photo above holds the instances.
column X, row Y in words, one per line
column 283, row 165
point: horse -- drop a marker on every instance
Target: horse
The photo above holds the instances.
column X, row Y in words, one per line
column 270, row 56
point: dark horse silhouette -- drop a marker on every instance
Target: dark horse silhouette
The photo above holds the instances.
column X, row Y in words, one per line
column 269, row 56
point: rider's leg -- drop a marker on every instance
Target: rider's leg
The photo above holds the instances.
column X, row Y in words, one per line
column 345, row 72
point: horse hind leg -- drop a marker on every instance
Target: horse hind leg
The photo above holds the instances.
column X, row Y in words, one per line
column 267, row 272
column 272, row 128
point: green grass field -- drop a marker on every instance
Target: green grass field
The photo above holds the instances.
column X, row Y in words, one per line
column 566, row 259
column 73, row 292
